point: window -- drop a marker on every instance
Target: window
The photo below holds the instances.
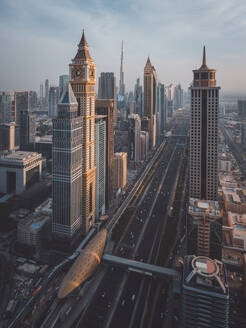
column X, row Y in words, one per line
column 204, row 76
column 90, row 197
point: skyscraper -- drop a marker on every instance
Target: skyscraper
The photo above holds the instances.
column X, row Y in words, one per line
column 7, row 107
column 134, row 141
column 107, row 89
column 163, row 107
column 119, row 170
column 122, row 84
column 33, row 99
column 178, row 97
column 67, row 167
column 63, row 81
column 41, row 94
column 204, row 133
column 53, row 101
column 46, row 85
column 138, row 97
column 24, row 119
column 21, row 104
column 150, row 84
column 100, row 162
column 106, row 108
column 83, row 79
column 27, row 129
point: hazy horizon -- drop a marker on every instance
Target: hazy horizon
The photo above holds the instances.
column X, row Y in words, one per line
column 38, row 40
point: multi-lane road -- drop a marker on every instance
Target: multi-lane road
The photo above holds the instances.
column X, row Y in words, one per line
column 123, row 298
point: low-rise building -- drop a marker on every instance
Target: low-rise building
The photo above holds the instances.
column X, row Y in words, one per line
column 19, row 170
column 234, row 199
column 35, row 227
column 238, row 224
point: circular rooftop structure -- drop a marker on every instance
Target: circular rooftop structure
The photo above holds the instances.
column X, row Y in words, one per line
column 205, row 266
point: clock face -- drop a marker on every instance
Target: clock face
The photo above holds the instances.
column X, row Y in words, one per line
column 78, row 72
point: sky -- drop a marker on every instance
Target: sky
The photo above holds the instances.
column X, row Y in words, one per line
column 39, row 38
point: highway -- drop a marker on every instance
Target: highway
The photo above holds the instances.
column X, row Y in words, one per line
column 122, row 297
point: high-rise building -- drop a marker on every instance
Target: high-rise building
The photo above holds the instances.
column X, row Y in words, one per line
column 7, row 107
column 178, row 97
column 122, row 84
column 119, row 170
column 63, row 81
column 100, row 162
column 33, row 99
column 106, row 108
column 163, row 112
column 46, row 85
column 134, row 141
column 204, row 228
column 170, row 100
column 204, row 133
column 7, row 136
column 53, row 101
column 41, row 94
column 205, row 293
column 67, row 167
column 107, row 89
column 150, row 85
column 83, row 79
column 243, row 133
column 144, row 137
column 27, row 129
column 241, row 107
column 24, row 119
column 138, row 97
column 21, row 104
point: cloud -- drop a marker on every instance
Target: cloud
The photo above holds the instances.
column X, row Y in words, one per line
column 38, row 39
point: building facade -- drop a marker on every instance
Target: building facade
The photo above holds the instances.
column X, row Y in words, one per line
column 241, row 106
column 107, row 89
column 83, row 80
column 138, row 98
column 63, row 81
column 7, row 136
column 119, row 170
column 67, row 168
column 134, row 141
column 204, row 134
column 7, row 107
column 106, row 108
column 204, row 228
column 53, row 101
column 46, row 94
column 100, row 162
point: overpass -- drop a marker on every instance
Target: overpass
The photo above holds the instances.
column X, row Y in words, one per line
column 140, row 267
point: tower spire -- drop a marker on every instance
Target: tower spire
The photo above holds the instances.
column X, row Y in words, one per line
column 83, row 41
column 121, row 84
column 204, row 56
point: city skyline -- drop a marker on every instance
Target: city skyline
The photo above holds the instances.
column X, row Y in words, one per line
column 173, row 35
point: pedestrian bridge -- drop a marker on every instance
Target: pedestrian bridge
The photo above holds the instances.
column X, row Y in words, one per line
column 140, row 267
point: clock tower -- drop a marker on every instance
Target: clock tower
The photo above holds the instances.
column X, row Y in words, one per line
column 83, row 79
